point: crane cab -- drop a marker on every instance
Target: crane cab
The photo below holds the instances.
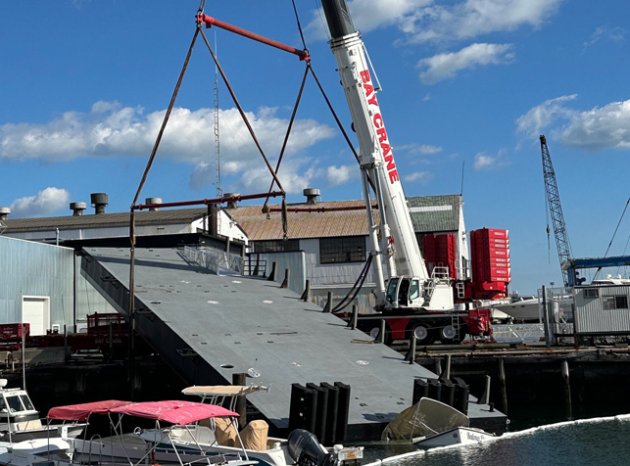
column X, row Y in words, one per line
column 404, row 292
column 417, row 295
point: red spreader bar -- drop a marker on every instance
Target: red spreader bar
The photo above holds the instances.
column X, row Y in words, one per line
column 209, row 21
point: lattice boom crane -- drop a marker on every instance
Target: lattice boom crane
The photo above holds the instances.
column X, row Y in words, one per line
column 554, row 208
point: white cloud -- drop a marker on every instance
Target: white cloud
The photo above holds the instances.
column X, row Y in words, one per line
column 294, row 175
column 420, row 149
column 602, row 127
column 447, row 65
column 340, row 175
column 599, row 128
column 372, row 14
column 367, row 15
column 110, row 129
column 426, row 21
column 472, row 18
column 483, row 161
column 44, row 202
column 421, row 177
column 539, row 119
column 606, row 34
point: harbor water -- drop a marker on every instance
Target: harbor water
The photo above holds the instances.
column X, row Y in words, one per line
column 599, row 441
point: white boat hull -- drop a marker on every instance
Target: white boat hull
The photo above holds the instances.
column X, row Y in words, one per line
column 527, row 310
column 457, row 436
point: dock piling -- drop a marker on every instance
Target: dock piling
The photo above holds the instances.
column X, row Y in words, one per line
column 412, row 349
column 381, row 333
column 307, row 291
column 355, row 317
column 564, row 369
column 285, row 282
column 240, row 379
column 447, row 372
column 484, row 399
column 503, row 386
column 328, row 306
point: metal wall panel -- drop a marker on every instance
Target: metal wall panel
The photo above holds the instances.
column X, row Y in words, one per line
column 590, row 315
column 35, row 269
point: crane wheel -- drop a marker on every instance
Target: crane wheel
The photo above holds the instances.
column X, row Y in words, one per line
column 422, row 333
column 450, row 335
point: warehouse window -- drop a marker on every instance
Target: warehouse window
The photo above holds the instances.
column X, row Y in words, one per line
column 289, row 245
column 340, row 250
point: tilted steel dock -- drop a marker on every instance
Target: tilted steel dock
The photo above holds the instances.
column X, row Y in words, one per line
column 208, row 327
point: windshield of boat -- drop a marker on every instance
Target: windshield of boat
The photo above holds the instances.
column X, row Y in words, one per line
column 17, row 402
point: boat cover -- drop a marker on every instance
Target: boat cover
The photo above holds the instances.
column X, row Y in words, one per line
column 82, row 411
column 177, row 412
column 426, row 418
column 225, row 432
column 254, row 435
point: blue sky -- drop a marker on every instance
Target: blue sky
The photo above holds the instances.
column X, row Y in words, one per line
column 467, row 87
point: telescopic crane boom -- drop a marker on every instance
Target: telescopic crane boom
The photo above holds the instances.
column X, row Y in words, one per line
column 409, row 284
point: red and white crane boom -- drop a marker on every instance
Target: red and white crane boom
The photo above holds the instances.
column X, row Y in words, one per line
column 379, row 171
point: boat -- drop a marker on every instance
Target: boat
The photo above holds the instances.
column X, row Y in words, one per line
column 24, row 438
column 520, row 308
column 253, row 438
column 135, row 448
column 197, row 432
column 431, row 423
column 20, row 421
column 222, row 437
column 610, row 280
column 529, row 308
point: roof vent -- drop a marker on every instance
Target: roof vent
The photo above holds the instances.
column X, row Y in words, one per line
column 77, row 208
column 4, row 212
column 153, row 201
column 231, row 203
column 311, row 195
column 99, row 201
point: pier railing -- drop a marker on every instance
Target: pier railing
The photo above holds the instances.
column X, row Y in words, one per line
column 213, row 261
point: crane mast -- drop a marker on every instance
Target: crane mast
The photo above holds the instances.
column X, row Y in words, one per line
column 555, row 212
column 378, row 167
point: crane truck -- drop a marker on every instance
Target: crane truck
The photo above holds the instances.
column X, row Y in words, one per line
column 411, row 301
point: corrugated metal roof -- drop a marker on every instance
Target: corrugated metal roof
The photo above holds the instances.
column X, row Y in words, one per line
column 159, row 217
column 435, row 213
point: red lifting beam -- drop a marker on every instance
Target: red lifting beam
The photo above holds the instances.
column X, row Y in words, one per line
column 210, row 21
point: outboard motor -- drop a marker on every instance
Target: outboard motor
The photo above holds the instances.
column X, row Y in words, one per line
column 306, row 450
